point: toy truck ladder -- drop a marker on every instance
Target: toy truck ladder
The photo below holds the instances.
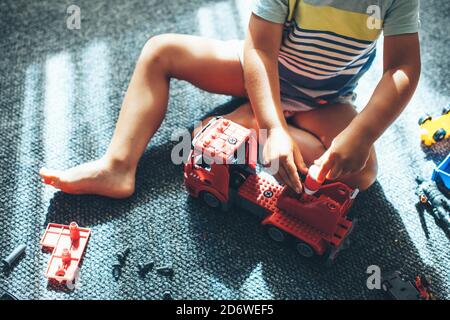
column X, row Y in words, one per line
column 260, row 196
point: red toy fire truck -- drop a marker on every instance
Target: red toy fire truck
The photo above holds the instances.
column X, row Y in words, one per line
column 221, row 170
column 67, row 244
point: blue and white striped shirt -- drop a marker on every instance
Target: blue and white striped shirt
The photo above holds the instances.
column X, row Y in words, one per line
column 329, row 44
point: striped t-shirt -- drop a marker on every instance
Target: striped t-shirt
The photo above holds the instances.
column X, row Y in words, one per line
column 329, row 44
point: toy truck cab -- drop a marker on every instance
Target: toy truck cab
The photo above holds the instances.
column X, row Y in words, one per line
column 223, row 155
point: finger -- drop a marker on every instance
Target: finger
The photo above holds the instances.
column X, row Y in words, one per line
column 266, row 156
column 299, row 162
column 284, row 176
column 335, row 172
column 325, row 166
column 265, row 162
column 291, row 170
column 350, row 170
column 272, row 166
column 322, row 158
column 277, row 175
column 357, row 169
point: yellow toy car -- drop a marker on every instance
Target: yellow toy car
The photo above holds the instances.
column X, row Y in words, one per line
column 435, row 130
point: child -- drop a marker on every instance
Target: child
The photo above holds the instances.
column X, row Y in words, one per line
column 299, row 65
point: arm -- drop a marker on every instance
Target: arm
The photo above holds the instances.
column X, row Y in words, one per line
column 261, row 72
column 350, row 149
column 261, row 50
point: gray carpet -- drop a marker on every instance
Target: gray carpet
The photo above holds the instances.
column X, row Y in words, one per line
column 60, row 96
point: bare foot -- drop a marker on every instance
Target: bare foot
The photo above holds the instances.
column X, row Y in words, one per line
column 100, row 177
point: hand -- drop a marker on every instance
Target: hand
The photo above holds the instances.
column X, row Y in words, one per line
column 348, row 154
column 280, row 149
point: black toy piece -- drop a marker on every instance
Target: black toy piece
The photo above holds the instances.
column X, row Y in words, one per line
column 167, row 295
column 8, row 262
column 166, row 270
column 123, row 256
column 5, row 295
column 116, row 271
column 117, row 266
column 145, row 268
column 400, row 288
column 435, row 203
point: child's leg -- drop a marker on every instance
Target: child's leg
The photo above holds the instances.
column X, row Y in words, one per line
column 209, row 64
column 326, row 123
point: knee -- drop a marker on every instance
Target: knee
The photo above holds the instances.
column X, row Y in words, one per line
column 368, row 175
column 157, row 50
column 244, row 116
column 200, row 126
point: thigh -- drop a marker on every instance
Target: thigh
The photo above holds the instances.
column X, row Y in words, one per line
column 209, row 64
column 326, row 122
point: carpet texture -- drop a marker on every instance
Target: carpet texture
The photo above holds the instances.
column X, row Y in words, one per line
column 60, row 96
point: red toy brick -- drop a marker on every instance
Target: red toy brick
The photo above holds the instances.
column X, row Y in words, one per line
column 317, row 220
column 67, row 244
column 261, row 191
column 74, row 231
column 312, row 185
column 66, row 257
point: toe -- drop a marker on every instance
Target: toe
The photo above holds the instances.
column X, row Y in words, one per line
column 50, row 177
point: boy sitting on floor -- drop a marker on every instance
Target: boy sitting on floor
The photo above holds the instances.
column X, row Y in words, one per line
column 301, row 61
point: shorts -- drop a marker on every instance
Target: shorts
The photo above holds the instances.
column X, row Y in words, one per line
column 291, row 106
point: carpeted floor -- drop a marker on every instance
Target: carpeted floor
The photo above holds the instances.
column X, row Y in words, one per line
column 60, row 93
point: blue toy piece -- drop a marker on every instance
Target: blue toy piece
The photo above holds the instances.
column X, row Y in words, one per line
column 443, row 172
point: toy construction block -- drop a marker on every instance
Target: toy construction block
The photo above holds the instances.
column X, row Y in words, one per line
column 67, row 244
column 442, row 172
column 435, row 130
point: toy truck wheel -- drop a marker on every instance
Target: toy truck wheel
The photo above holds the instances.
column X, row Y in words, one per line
column 237, row 179
column 446, row 110
column 276, row 234
column 439, row 135
column 210, row 200
column 304, row 249
column 424, row 119
column 330, row 256
column 347, row 240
